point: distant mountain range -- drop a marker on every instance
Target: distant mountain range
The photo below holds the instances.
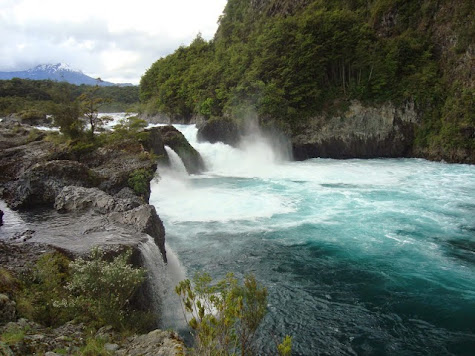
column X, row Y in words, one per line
column 58, row 72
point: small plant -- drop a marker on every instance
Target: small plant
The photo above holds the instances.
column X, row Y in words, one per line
column 139, row 181
column 285, row 348
column 13, row 335
column 225, row 316
column 94, row 347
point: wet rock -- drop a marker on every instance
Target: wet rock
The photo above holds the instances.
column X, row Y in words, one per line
column 155, row 343
column 22, row 236
column 7, row 309
column 220, row 130
column 191, row 158
column 146, row 220
column 40, row 185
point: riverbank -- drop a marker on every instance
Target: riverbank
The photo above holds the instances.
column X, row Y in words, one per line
column 72, row 199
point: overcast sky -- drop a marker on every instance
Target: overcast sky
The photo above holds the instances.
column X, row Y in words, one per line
column 115, row 40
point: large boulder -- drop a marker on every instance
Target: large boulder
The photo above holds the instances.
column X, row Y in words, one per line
column 191, row 158
column 359, row 132
column 39, row 185
column 220, row 130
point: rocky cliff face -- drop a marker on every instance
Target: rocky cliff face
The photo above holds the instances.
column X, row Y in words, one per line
column 359, row 132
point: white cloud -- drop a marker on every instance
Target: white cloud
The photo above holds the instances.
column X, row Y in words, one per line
column 116, row 40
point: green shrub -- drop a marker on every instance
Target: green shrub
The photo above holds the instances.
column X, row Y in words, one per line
column 139, row 180
column 100, row 290
column 224, row 316
column 44, row 286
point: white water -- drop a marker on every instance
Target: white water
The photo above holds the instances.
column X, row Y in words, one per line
column 176, row 163
column 162, row 279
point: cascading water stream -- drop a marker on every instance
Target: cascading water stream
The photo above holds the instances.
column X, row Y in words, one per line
column 162, row 278
column 371, row 257
column 176, row 163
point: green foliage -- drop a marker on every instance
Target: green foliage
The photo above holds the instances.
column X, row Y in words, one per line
column 12, row 336
column 224, row 316
column 139, row 180
column 23, row 94
column 130, row 128
column 100, row 291
column 94, row 291
column 285, row 348
column 45, row 285
column 90, row 103
column 94, row 347
column 8, row 283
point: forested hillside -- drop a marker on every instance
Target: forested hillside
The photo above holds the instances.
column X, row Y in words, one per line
column 287, row 61
column 24, row 95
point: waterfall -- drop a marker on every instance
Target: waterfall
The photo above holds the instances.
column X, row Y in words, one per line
column 257, row 155
column 175, row 161
column 162, row 278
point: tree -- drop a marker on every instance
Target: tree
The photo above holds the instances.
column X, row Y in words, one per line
column 90, row 105
column 66, row 111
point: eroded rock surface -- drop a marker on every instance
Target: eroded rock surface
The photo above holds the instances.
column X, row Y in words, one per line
column 360, row 132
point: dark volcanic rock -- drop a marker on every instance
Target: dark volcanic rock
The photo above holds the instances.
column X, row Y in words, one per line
column 73, row 198
column 116, row 212
column 360, row 132
column 177, row 142
column 14, row 134
column 144, row 219
column 220, row 130
column 39, row 185
column 155, row 145
column 113, row 166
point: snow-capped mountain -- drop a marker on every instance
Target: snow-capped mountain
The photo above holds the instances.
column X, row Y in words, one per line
column 59, row 72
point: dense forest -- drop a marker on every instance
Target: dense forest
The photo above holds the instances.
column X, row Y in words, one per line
column 289, row 60
column 25, row 95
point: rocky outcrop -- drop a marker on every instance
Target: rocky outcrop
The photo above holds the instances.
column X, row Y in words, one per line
column 39, row 185
column 155, row 343
column 360, row 132
column 220, row 130
column 106, row 213
column 154, row 144
column 191, row 158
column 114, row 166
column 32, row 118
column 70, row 338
